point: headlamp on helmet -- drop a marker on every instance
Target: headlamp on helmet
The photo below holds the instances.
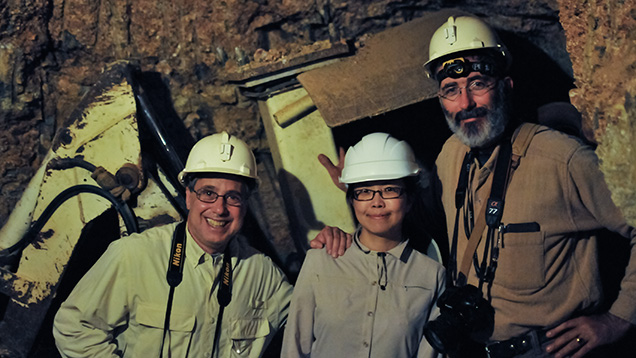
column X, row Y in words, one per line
column 461, row 34
column 462, row 67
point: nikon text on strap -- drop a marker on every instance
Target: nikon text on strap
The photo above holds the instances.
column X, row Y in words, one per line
column 174, row 277
column 177, row 256
column 224, row 294
column 174, row 274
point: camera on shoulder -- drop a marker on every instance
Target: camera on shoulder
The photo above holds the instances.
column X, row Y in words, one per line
column 465, row 315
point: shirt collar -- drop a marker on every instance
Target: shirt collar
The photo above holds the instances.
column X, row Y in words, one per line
column 199, row 256
column 402, row 250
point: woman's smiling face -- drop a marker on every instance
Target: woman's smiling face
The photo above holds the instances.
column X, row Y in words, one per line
column 378, row 216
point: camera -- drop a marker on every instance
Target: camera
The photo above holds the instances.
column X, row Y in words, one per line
column 464, row 315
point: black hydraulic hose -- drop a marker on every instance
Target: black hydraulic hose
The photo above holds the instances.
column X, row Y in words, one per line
column 122, row 208
column 177, row 203
column 67, row 163
column 152, row 121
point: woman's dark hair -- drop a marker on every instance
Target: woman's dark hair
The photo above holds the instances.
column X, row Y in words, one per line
column 414, row 226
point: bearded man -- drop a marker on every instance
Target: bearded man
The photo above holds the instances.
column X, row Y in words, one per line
column 534, row 260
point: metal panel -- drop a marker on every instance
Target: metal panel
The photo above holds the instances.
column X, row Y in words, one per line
column 386, row 74
column 311, row 198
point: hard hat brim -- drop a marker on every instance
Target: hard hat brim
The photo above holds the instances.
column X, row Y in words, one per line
column 372, row 171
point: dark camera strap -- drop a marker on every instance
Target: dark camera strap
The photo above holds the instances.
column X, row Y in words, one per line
column 489, row 215
column 223, row 295
column 460, row 197
column 174, row 277
column 174, row 274
column 491, row 212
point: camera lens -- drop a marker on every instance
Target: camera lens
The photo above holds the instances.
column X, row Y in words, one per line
column 443, row 333
column 464, row 315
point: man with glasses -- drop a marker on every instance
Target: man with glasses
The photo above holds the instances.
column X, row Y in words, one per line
column 536, row 260
column 192, row 289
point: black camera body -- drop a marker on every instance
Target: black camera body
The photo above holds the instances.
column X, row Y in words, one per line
column 464, row 315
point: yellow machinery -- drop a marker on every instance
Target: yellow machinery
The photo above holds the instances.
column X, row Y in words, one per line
column 94, row 165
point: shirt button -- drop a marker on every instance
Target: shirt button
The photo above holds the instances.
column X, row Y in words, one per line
column 365, row 344
column 212, row 320
column 369, row 313
column 374, row 283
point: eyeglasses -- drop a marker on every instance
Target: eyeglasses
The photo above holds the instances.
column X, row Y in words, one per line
column 390, row 192
column 477, row 87
column 208, row 196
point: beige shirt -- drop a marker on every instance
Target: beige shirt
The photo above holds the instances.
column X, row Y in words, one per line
column 547, row 276
column 339, row 308
column 118, row 308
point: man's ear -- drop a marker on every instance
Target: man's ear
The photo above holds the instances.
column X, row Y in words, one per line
column 188, row 195
column 508, row 81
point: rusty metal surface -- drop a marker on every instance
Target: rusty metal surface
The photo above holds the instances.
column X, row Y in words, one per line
column 254, row 71
column 386, row 74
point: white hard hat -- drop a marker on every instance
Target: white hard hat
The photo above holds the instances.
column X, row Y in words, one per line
column 463, row 33
column 378, row 156
column 220, row 153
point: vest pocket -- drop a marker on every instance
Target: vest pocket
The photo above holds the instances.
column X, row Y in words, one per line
column 151, row 322
column 247, row 335
column 521, row 264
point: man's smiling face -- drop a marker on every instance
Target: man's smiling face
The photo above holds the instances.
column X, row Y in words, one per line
column 212, row 225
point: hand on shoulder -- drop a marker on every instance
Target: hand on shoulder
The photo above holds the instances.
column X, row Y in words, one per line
column 334, row 240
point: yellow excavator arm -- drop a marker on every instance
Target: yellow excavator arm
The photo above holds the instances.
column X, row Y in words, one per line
column 98, row 161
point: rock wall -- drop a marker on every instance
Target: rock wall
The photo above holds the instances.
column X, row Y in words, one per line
column 52, row 51
column 601, row 39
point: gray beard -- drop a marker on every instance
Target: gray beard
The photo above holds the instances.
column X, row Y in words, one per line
column 484, row 133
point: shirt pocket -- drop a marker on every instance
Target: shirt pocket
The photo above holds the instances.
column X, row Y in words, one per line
column 521, row 264
column 151, row 325
column 411, row 308
column 414, row 302
column 248, row 335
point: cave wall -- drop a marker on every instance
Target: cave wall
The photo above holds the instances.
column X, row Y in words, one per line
column 52, row 51
column 601, row 38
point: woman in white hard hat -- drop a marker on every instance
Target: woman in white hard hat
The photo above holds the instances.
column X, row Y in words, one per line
column 375, row 299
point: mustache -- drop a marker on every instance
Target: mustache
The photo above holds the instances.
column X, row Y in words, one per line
column 472, row 113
